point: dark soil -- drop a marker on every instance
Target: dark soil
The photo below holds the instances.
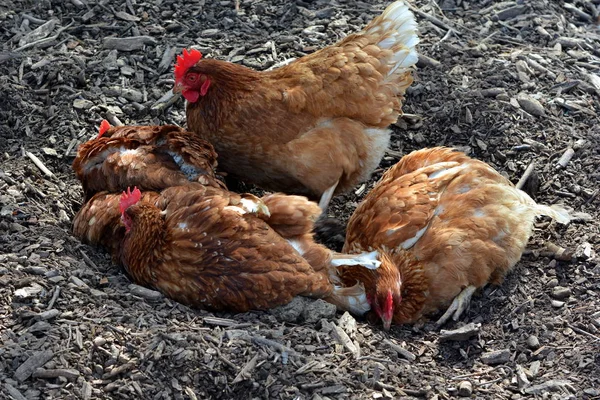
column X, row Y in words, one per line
column 73, row 327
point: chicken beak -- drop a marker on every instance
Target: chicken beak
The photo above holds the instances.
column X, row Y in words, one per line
column 387, row 323
column 178, row 88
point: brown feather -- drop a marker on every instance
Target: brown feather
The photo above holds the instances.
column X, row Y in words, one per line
column 193, row 248
column 305, row 126
column 441, row 221
column 150, row 157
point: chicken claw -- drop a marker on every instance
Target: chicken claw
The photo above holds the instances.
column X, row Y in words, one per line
column 458, row 306
column 366, row 259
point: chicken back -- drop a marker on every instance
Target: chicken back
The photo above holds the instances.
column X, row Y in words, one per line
column 443, row 225
column 150, row 157
column 314, row 127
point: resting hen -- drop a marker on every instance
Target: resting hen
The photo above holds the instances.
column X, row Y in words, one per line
column 206, row 247
column 443, row 225
column 315, row 127
column 150, row 157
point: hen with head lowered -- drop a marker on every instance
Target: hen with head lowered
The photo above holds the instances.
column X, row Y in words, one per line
column 443, row 225
column 150, row 157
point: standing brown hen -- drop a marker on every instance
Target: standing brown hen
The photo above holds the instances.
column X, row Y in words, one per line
column 316, row 126
column 443, row 225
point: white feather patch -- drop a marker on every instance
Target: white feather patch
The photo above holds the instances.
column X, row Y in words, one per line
column 128, row 152
column 236, row 209
column 297, row 246
column 408, row 243
column 189, row 170
column 357, row 304
column 478, row 213
column 182, row 225
column 368, row 260
column 249, row 205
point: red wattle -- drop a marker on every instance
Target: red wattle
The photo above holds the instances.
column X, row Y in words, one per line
column 191, row 95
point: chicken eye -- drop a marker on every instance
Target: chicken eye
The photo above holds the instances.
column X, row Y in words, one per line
column 192, row 77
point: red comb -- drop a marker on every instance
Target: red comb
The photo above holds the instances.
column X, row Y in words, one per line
column 104, row 126
column 129, row 198
column 389, row 302
column 185, row 61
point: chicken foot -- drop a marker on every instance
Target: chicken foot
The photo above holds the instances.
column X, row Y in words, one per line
column 366, row 259
column 326, row 197
column 458, row 306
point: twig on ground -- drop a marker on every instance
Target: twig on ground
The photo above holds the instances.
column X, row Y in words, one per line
column 166, row 101
column 400, row 350
column 526, row 175
column 38, row 163
column 557, row 252
column 112, row 118
column 226, row 361
column 54, row 298
column 246, row 370
column 275, row 345
column 44, row 40
column 566, row 157
column 446, row 36
column 88, row 260
column 425, row 61
column 482, row 372
column 219, row 321
column 578, row 330
column 431, row 18
column 394, row 153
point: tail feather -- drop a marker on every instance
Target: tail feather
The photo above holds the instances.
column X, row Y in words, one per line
column 396, row 29
column 556, row 212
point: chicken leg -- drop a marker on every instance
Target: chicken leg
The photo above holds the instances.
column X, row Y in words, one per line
column 326, row 197
column 458, row 306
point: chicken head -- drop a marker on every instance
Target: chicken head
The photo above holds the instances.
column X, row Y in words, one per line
column 128, row 198
column 191, row 84
column 388, row 291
